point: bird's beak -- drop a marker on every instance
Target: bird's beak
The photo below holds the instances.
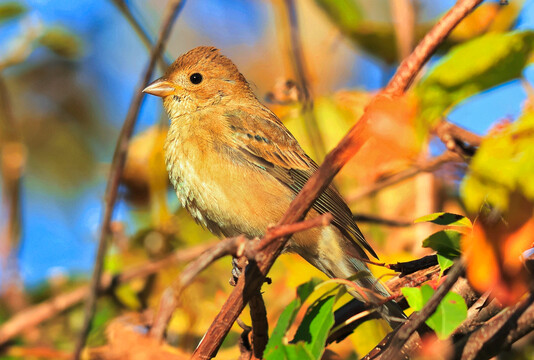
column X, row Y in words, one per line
column 161, row 87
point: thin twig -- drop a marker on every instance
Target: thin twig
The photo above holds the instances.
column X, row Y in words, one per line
column 457, row 139
column 24, row 47
column 461, row 145
column 403, row 15
column 117, row 166
column 429, row 165
column 303, row 84
column 141, row 31
column 34, row 315
column 12, row 163
column 477, row 315
column 41, row 352
column 373, row 219
column 253, row 277
column 281, row 230
column 410, row 66
column 409, row 327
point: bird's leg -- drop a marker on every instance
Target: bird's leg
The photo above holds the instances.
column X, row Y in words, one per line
column 238, row 264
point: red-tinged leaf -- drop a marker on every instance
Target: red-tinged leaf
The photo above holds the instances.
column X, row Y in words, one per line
column 516, row 243
column 482, row 266
column 494, row 259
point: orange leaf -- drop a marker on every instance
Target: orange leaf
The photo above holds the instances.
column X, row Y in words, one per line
column 482, row 266
column 515, row 244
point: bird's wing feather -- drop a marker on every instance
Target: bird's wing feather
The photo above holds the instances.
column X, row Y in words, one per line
column 271, row 147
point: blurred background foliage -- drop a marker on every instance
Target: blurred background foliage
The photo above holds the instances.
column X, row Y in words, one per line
column 68, row 70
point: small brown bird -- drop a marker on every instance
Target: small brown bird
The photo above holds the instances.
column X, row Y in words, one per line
column 236, row 167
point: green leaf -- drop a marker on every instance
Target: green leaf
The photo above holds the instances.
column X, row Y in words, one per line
column 502, row 167
column 463, row 72
column 61, row 42
column 445, row 242
column 448, row 219
column 414, row 297
column 310, row 339
column 306, row 289
column 376, row 37
column 449, row 314
column 315, row 325
column 444, row 263
column 345, row 14
column 294, row 352
column 276, row 341
column 10, row 10
column 128, row 296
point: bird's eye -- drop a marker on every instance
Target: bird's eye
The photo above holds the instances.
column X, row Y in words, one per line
column 196, row 78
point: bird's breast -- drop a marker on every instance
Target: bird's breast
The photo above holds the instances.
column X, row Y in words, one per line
column 223, row 194
column 187, row 152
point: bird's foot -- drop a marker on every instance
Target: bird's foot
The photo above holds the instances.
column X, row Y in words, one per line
column 238, row 264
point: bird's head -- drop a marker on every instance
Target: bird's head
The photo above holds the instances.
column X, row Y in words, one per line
column 199, row 78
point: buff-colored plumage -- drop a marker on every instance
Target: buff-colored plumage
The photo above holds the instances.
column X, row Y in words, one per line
column 236, row 167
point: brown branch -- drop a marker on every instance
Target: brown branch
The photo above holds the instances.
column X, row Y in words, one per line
column 410, row 66
column 253, row 277
column 447, row 130
column 478, row 314
column 20, row 352
column 429, row 165
column 412, row 280
column 12, row 163
column 276, row 232
column 303, row 84
column 464, row 289
column 373, row 219
column 236, row 246
column 403, row 15
column 400, row 338
column 117, row 166
column 499, row 333
column 12, row 159
column 260, row 326
column 34, row 315
column 457, row 139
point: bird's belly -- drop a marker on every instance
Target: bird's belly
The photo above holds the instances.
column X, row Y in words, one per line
column 229, row 198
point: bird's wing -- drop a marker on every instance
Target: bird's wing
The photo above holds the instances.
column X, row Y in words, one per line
column 271, row 147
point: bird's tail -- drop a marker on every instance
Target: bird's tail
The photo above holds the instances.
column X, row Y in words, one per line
column 390, row 311
column 356, row 269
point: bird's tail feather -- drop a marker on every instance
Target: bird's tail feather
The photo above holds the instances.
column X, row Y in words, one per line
column 390, row 311
column 357, row 270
